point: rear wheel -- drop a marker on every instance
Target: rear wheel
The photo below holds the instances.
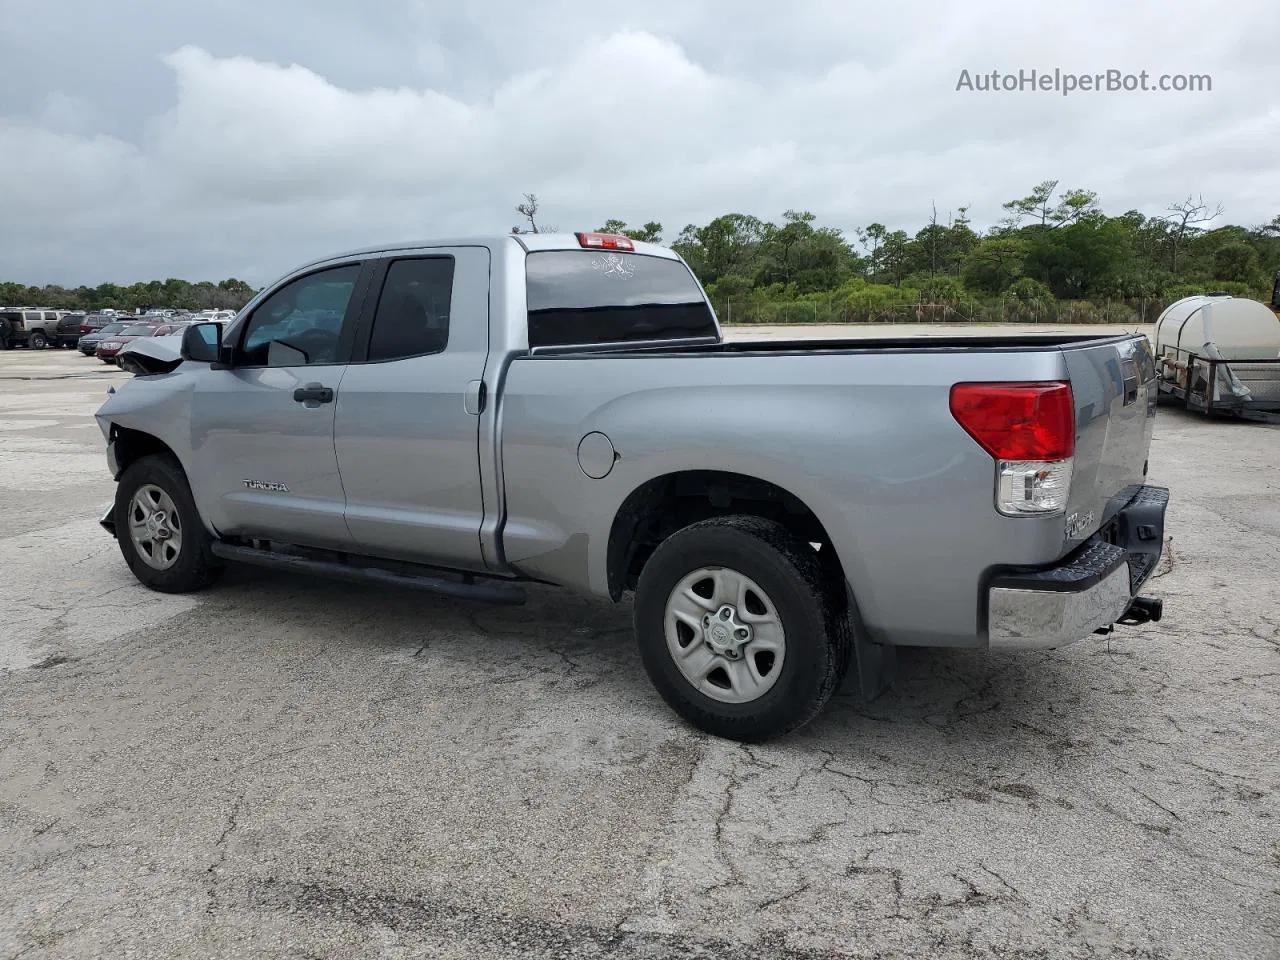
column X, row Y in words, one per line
column 159, row 530
column 740, row 628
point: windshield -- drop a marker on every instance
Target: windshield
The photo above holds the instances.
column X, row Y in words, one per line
column 111, row 328
column 604, row 296
column 137, row 330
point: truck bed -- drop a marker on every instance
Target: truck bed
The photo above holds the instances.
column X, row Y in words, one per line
column 860, row 432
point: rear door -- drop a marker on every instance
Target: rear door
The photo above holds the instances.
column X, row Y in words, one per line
column 1114, row 385
column 407, row 427
column 262, row 431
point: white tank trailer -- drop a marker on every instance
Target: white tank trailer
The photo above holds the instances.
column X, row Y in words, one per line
column 1220, row 354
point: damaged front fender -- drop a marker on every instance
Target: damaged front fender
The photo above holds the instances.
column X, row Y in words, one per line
column 151, row 355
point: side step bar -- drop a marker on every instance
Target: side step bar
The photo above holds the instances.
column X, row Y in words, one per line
column 486, row 592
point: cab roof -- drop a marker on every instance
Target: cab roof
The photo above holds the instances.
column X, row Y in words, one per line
column 530, row 242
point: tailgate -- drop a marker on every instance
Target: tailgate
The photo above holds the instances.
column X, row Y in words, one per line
column 1114, row 386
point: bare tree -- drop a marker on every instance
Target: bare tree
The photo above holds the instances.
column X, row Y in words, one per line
column 933, row 239
column 529, row 210
column 1184, row 220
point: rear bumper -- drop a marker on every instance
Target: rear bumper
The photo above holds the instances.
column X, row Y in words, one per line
column 1091, row 589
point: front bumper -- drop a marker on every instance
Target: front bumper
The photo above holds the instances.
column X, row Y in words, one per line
column 1089, row 590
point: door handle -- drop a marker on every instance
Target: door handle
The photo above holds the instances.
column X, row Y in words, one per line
column 313, row 394
column 1129, row 375
column 473, row 397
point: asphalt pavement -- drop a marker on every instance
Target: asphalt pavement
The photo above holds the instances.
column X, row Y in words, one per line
column 293, row 768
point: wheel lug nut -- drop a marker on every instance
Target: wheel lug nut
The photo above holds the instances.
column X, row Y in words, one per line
column 724, row 614
column 742, row 633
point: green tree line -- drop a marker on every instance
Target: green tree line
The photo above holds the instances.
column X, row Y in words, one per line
column 1054, row 255
column 231, row 294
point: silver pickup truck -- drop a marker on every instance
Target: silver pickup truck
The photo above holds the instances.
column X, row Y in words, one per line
column 464, row 415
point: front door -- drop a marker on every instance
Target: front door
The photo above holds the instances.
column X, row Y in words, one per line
column 262, row 431
column 407, row 429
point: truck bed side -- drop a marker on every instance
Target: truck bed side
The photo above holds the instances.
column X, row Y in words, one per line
column 865, row 440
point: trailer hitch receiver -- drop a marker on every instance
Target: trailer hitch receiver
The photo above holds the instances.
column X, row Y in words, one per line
column 1142, row 610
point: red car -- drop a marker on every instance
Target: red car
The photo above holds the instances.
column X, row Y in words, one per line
column 110, row 346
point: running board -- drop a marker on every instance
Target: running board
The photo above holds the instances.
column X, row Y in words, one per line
column 487, row 591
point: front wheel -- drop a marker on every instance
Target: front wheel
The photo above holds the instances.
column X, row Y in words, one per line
column 740, row 627
column 37, row 340
column 159, row 530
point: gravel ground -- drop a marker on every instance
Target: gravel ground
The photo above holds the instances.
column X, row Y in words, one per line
column 282, row 768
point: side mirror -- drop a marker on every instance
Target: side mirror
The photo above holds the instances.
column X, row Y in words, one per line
column 201, row 341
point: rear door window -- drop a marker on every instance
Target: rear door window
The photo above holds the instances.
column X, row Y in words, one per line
column 412, row 318
column 606, row 296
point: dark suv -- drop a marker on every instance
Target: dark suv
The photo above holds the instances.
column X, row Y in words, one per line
column 68, row 329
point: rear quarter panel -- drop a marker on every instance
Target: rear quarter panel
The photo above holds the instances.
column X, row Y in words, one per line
column 866, row 441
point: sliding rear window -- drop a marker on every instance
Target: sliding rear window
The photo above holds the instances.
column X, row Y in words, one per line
column 608, row 296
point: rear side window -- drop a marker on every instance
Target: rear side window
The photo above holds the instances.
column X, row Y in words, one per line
column 607, row 296
column 412, row 319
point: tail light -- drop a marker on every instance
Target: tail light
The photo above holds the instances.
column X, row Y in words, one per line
column 1030, row 431
column 605, row 241
column 84, row 328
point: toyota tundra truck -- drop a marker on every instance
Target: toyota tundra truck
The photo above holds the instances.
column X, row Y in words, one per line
column 468, row 416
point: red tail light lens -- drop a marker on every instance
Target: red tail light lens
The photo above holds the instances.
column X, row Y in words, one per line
column 605, row 241
column 1018, row 421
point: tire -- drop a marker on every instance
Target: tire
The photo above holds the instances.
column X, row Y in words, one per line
column 794, row 595
column 189, row 567
column 107, row 360
column 37, row 340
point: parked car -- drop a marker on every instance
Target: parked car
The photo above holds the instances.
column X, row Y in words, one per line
column 108, row 347
column 88, row 344
column 95, row 321
column 171, row 326
column 562, row 409
column 33, row 328
column 162, row 351
column 68, row 330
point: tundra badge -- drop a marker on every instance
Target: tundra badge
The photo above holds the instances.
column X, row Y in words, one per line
column 264, row 485
column 1078, row 523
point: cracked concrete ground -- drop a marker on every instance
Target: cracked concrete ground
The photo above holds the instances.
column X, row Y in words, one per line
column 300, row 769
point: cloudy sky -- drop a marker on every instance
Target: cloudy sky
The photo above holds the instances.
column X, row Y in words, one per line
column 142, row 139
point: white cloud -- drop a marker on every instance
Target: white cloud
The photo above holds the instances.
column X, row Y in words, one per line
column 669, row 112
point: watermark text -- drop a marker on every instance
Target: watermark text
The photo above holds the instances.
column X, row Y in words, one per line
column 1065, row 83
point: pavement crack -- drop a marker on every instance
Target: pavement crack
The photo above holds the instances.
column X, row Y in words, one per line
column 784, row 897
column 573, row 665
column 214, row 868
column 1155, row 803
column 41, row 831
column 1003, row 882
